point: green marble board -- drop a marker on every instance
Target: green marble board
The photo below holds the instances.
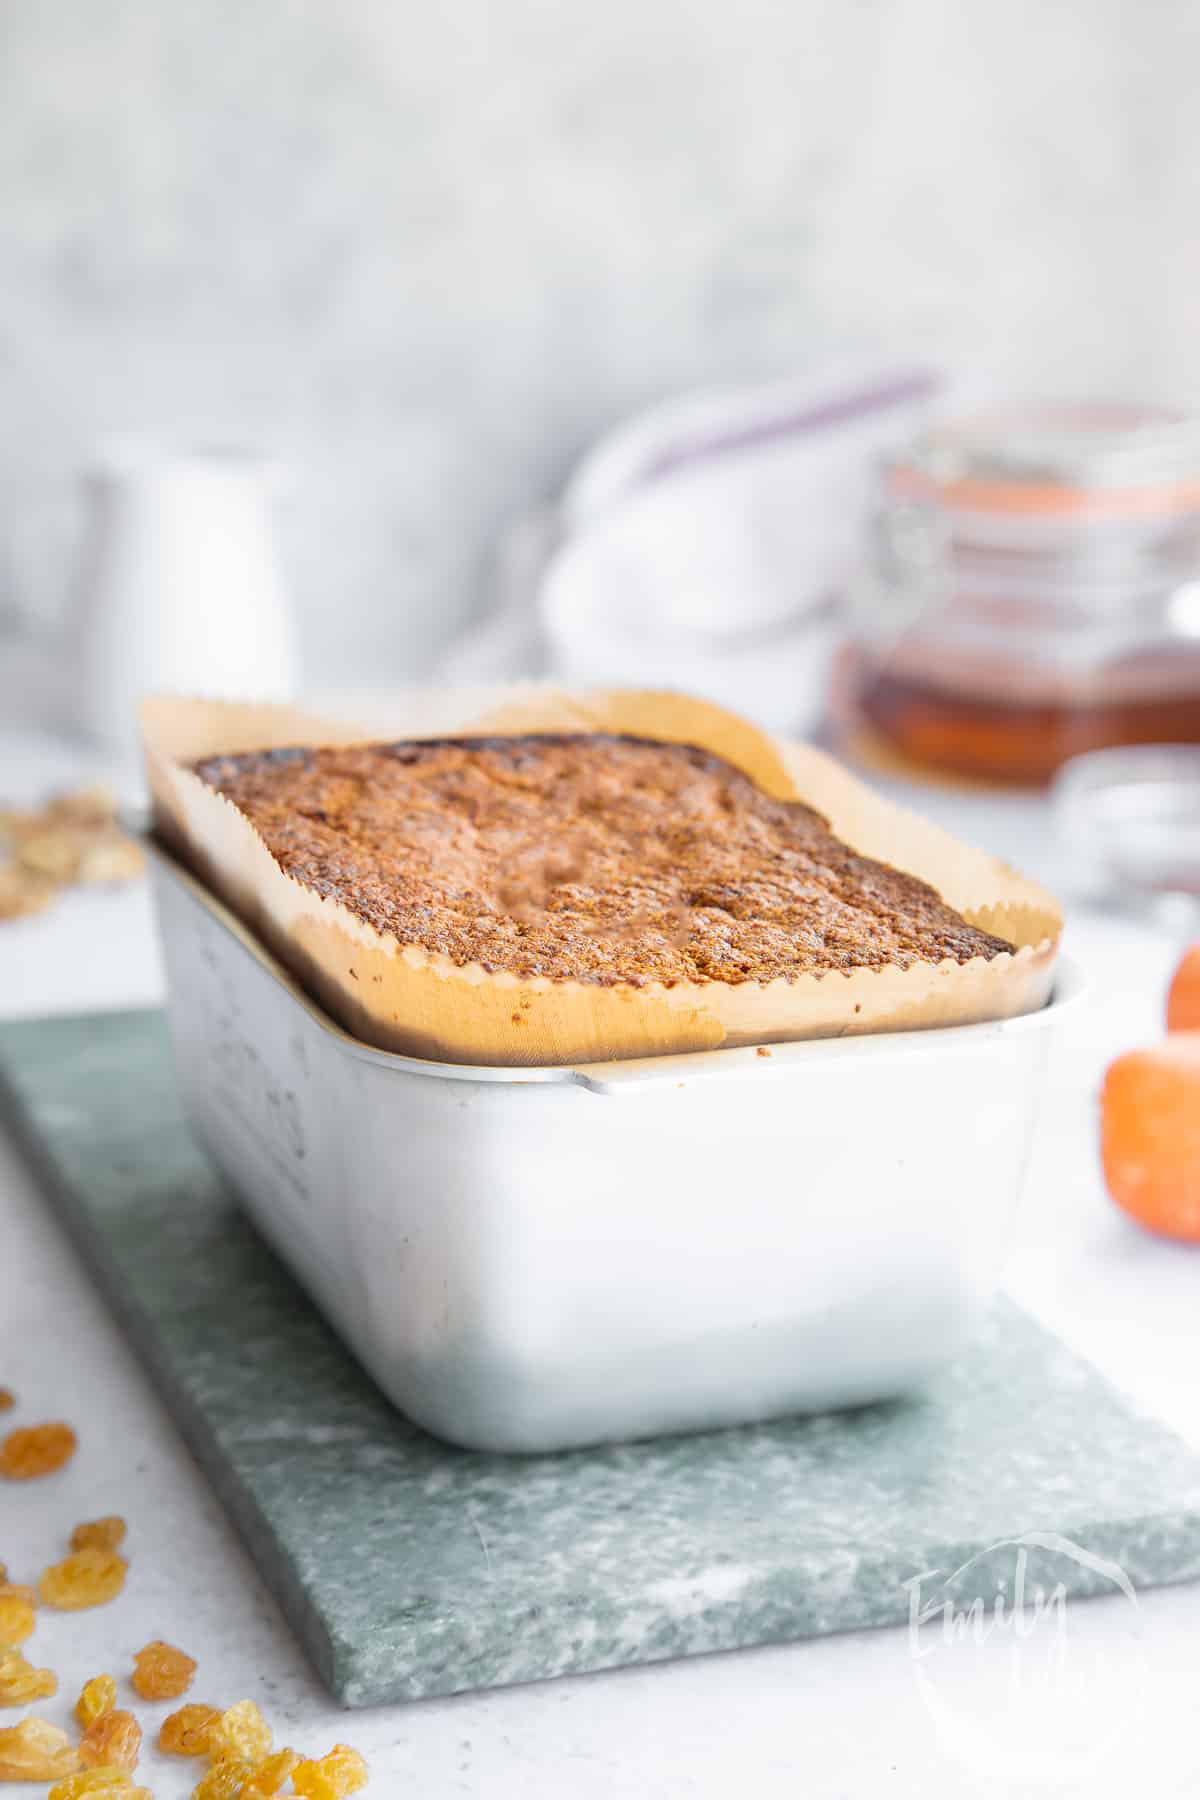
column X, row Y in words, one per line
column 409, row 1568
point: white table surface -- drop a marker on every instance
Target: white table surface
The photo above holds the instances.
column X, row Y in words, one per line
column 852, row 1715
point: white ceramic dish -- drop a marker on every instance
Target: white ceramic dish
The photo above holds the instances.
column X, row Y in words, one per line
column 532, row 1259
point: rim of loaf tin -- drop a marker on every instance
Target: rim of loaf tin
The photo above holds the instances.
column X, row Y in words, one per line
column 676, row 1070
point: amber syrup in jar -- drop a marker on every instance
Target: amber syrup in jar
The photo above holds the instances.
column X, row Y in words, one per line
column 1032, row 591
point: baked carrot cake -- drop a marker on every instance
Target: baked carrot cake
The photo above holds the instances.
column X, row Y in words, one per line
column 593, row 858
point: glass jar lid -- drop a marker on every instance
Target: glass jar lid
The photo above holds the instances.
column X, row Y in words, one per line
column 1085, row 461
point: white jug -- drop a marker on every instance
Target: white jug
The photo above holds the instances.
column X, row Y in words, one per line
column 180, row 589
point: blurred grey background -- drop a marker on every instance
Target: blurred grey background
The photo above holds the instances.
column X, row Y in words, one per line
column 426, row 253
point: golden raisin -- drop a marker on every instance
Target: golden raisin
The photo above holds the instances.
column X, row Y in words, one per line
column 7, row 1399
column 241, row 1733
column 16, row 1617
column 160, row 1672
column 186, row 1732
column 93, row 805
column 97, row 1697
column 36, row 1450
column 85, row 1578
column 270, row 1775
column 109, row 857
column 98, row 1781
column 20, row 1682
column 99, row 1534
column 24, row 891
column 114, row 1740
column 224, row 1781
column 331, row 1777
column 52, row 854
column 35, row 1751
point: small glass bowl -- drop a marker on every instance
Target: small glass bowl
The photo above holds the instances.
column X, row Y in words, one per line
column 1129, row 821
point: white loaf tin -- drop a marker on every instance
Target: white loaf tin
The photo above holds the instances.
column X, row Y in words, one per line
column 532, row 1259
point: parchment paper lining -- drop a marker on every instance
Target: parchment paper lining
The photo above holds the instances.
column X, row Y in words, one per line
column 400, row 997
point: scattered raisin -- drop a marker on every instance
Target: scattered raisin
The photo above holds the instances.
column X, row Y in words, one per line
column 224, row 1781
column 98, row 1781
column 160, row 1672
column 269, row 1776
column 331, row 1777
column 35, row 1751
column 20, row 1682
column 241, row 1733
column 98, row 1696
column 17, row 1618
column 114, row 1740
column 7, row 1399
column 99, row 1534
column 36, row 1450
column 85, row 1578
column 24, row 891
column 186, row 1732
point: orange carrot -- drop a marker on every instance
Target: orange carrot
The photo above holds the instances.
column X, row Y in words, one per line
column 1150, row 1135
column 1183, row 997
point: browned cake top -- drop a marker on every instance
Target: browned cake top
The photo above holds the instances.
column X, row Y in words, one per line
column 590, row 857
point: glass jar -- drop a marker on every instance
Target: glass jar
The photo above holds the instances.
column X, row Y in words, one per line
column 1031, row 591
